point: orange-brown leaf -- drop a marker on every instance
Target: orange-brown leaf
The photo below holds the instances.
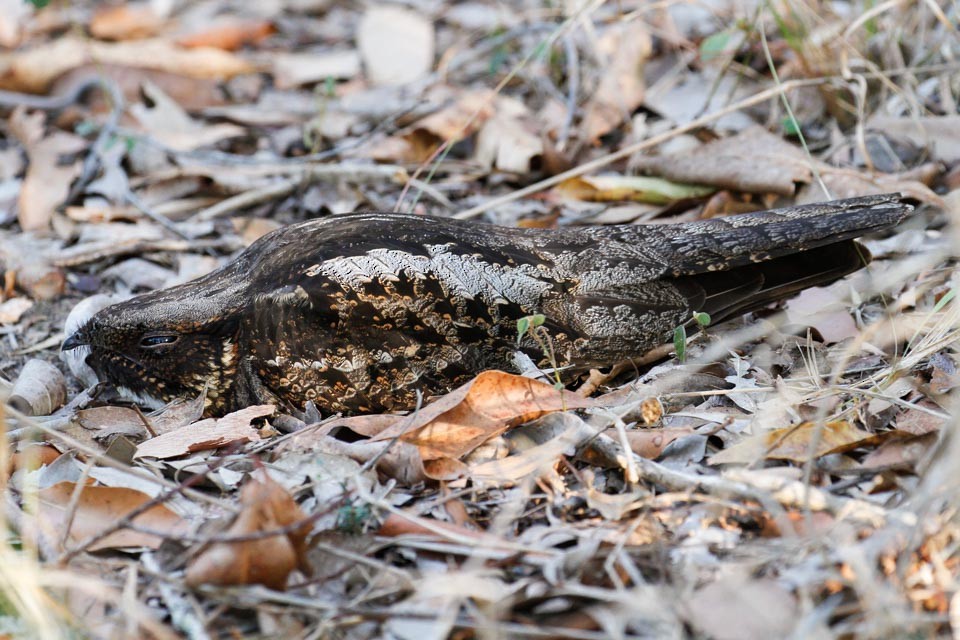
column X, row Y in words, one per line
column 262, row 560
column 491, row 403
column 99, row 508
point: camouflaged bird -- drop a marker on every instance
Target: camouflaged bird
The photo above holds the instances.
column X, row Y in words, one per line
column 360, row 312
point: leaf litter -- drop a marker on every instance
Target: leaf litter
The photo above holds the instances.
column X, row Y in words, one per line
column 793, row 474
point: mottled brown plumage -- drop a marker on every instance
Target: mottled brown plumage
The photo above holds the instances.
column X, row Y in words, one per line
column 361, row 312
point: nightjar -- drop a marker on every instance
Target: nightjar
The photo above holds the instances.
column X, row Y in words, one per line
column 361, row 312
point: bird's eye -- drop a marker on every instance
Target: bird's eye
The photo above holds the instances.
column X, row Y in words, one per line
column 157, row 340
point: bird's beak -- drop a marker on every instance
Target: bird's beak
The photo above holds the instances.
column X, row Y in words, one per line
column 73, row 341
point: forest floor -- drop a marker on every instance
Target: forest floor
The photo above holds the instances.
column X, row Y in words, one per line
column 792, row 473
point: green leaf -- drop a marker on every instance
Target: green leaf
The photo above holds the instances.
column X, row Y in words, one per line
column 712, row 46
column 680, row 343
column 942, row 302
column 84, row 128
column 702, row 318
column 537, row 320
column 790, row 126
column 523, row 325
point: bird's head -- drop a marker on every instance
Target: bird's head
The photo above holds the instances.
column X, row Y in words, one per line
column 163, row 345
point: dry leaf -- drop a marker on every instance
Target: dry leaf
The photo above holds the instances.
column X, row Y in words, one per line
column 229, row 35
column 39, row 279
column 485, row 407
column 166, row 121
column 650, row 443
column 211, row 433
column 35, row 69
column 13, row 309
column 13, row 15
column 824, row 309
column 98, row 509
column 40, row 389
column 623, row 50
column 126, row 22
column 110, row 420
column 741, row 607
column 294, row 69
column 508, row 140
column 565, row 433
column 459, row 120
column 851, row 183
column 265, row 506
column 32, row 456
column 755, row 161
column 396, row 45
column 941, row 134
column 919, row 422
column 611, row 188
column 900, row 452
column 395, row 525
column 793, row 443
column 48, row 178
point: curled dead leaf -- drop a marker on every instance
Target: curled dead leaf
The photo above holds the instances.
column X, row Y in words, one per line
column 40, row 389
column 268, row 560
column 485, row 407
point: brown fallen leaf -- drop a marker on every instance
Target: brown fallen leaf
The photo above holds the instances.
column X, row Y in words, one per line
column 901, row 452
column 509, row 141
column 13, row 309
column 919, row 422
column 39, row 279
column 40, row 389
column 48, row 178
column 485, row 407
column 101, row 421
column 265, row 506
column 166, row 121
column 126, row 22
column 793, row 443
column 211, row 433
column 31, row 457
column 623, row 48
column 851, row 183
column 460, row 119
column 396, row 525
column 33, row 70
column 192, row 94
column 98, row 509
column 826, row 310
column 939, row 133
column 229, row 35
column 650, row 443
column 614, row 188
column 754, row 161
